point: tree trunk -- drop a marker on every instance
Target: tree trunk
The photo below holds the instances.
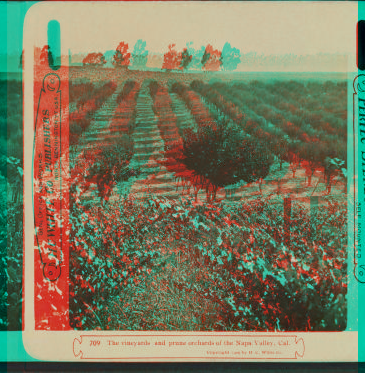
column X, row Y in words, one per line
column 207, row 193
column 279, row 187
column 293, row 170
column 215, row 193
column 329, row 187
column 309, row 179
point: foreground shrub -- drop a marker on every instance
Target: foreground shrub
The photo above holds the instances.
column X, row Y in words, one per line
column 224, row 155
column 104, row 166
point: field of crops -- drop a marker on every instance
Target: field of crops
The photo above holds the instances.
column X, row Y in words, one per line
column 196, row 204
column 200, row 205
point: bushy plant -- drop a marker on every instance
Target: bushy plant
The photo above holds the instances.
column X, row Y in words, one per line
column 104, row 167
column 224, row 155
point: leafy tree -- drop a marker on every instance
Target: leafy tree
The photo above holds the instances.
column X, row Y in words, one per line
column 94, row 59
column 281, row 147
column 121, row 55
column 139, row 55
column 111, row 165
column 230, row 57
column 186, row 59
column 262, row 162
column 314, row 155
column 197, row 55
column 46, row 56
column 171, row 59
column 292, row 156
column 224, row 155
column 211, row 59
column 333, row 167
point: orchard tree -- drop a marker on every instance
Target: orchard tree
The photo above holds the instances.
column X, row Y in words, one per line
column 96, row 59
column 186, row 58
column 281, row 148
column 197, row 55
column 139, row 55
column 211, row 60
column 293, row 155
column 313, row 155
column 263, row 160
column 110, row 165
column 230, row 57
column 171, row 59
column 223, row 155
column 121, row 56
column 333, row 167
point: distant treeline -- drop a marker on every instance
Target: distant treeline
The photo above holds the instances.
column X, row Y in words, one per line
column 206, row 58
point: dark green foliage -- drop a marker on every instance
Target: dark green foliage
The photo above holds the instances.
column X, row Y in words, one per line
column 186, row 59
column 106, row 166
column 224, row 155
column 110, row 167
column 205, row 57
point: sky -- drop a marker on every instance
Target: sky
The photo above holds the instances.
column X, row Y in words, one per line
column 262, row 28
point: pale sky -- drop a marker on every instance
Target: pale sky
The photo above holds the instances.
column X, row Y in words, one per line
column 269, row 28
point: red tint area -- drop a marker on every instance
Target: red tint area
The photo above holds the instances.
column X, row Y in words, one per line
column 50, row 195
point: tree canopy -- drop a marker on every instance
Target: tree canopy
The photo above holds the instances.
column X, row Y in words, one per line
column 94, row 59
column 121, row 55
column 224, row 155
column 139, row 55
column 230, row 57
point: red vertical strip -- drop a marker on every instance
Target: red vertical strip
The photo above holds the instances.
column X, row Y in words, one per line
column 50, row 194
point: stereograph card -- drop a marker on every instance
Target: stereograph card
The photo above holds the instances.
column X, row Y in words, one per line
column 193, row 181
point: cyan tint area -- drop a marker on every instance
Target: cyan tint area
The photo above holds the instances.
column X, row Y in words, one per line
column 11, row 163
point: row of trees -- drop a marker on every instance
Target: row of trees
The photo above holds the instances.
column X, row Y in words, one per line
column 219, row 152
column 89, row 99
column 326, row 114
column 108, row 163
column 206, row 58
column 287, row 141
